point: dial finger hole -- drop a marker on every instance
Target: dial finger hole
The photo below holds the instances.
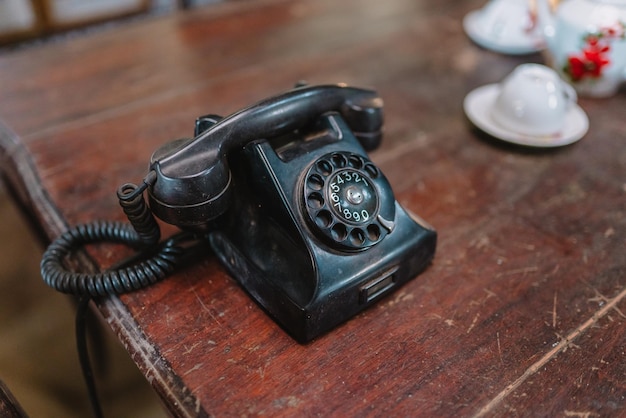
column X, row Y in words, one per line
column 339, row 232
column 357, row 237
column 323, row 219
column 373, row 232
column 339, row 160
column 315, row 182
column 315, row 200
column 372, row 170
column 324, row 167
column 355, row 161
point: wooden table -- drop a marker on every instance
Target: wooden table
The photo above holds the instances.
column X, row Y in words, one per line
column 522, row 312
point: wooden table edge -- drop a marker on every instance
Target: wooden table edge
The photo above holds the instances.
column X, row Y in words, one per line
column 17, row 170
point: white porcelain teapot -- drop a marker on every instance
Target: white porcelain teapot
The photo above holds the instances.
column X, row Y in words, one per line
column 586, row 42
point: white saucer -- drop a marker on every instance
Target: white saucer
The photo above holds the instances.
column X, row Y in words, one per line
column 478, row 104
column 523, row 45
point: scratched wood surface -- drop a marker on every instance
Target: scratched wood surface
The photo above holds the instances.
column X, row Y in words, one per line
column 9, row 407
column 522, row 312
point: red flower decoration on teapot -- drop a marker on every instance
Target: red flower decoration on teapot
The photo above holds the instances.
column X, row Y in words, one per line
column 594, row 55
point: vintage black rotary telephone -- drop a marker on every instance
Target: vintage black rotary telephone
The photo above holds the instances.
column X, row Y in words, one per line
column 287, row 198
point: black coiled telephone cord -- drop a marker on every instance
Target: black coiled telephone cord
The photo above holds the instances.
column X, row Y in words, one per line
column 143, row 233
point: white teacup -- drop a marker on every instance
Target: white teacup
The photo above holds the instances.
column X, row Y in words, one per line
column 507, row 22
column 533, row 100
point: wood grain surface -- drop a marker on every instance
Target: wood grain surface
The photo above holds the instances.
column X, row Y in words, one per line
column 522, row 312
column 9, row 407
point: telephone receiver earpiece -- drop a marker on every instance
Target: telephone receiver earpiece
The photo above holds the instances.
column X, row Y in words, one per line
column 191, row 180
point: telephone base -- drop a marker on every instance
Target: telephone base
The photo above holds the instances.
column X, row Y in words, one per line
column 334, row 300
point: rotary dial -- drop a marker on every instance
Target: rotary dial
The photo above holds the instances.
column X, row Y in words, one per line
column 348, row 201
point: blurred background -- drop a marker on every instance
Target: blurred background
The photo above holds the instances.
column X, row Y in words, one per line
column 36, row 20
column 38, row 360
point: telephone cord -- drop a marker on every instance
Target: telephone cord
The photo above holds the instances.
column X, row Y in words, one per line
column 143, row 233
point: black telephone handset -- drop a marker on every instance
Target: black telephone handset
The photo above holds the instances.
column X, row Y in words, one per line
column 289, row 201
column 193, row 178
